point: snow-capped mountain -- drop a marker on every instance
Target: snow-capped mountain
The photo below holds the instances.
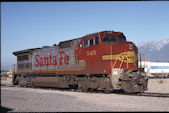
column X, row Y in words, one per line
column 155, row 50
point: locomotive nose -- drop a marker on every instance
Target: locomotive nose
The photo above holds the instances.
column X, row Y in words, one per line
column 122, row 53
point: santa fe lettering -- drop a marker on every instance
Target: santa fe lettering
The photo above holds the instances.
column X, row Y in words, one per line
column 51, row 60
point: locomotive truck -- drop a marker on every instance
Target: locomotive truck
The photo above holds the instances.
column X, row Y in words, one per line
column 98, row 61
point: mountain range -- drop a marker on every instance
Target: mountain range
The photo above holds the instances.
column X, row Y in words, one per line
column 157, row 51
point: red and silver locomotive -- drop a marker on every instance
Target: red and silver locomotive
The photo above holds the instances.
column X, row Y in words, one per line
column 100, row 61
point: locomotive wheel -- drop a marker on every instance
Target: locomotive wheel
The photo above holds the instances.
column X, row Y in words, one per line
column 22, row 82
column 107, row 91
column 83, row 89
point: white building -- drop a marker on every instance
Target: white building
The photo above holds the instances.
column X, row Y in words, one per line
column 155, row 68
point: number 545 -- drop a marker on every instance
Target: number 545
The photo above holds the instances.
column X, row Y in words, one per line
column 91, row 53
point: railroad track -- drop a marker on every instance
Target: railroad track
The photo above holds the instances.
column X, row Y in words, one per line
column 150, row 94
column 164, row 95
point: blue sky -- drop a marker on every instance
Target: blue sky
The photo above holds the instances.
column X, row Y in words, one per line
column 27, row 25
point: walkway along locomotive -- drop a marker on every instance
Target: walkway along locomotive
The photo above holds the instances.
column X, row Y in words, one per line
column 101, row 61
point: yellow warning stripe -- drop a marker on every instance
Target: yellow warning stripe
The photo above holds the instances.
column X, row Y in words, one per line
column 127, row 57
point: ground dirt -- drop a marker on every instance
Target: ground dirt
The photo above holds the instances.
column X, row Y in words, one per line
column 18, row 99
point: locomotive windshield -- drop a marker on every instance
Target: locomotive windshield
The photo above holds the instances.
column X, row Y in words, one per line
column 113, row 39
column 121, row 39
column 109, row 39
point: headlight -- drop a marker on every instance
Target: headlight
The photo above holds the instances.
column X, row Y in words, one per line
column 109, row 32
column 130, row 46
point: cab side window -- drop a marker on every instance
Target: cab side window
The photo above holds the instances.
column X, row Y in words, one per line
column 96, row 40
column 91, row 42
column 85, row 43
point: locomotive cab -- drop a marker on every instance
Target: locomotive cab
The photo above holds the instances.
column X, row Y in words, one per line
column 123, row 58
